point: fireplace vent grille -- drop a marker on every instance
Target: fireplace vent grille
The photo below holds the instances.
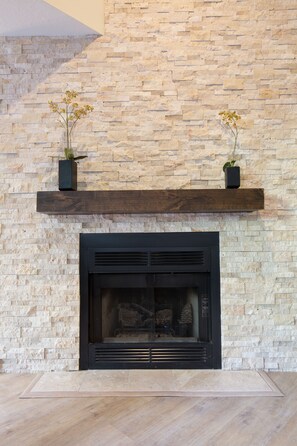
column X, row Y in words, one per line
column 102, row 356
column 138, row 258
column 121, row 258
column 121, row 355
column 177, row 258
column 184, row 354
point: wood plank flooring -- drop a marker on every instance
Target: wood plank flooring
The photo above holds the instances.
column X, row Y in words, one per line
column 147, row 421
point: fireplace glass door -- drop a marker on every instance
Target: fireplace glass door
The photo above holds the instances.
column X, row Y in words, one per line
column 154, row 308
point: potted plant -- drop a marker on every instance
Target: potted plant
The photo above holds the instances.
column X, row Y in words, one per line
column 232, row 173
column 69, row 113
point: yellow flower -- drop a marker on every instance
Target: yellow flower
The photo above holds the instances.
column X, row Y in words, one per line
column 68, row 116
column 230, row 120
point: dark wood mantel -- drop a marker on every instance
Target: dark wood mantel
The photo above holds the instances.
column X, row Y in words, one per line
column 150, row 201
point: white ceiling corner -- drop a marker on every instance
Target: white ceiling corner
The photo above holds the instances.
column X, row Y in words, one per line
column 39, row 18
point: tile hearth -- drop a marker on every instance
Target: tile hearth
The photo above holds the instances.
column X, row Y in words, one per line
column 185, row 383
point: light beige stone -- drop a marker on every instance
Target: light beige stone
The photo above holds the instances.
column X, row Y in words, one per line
column 157, row 80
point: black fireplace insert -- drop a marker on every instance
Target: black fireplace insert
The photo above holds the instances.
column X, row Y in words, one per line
column 150, row 300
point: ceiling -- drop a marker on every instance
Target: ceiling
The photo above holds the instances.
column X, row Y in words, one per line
column 39, row 18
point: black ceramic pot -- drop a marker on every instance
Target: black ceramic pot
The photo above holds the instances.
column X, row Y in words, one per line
column 232, row 177
column 67, row 175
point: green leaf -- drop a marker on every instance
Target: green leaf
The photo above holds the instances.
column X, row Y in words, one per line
column 79, row 157
column 68, row 154
column 229, row 164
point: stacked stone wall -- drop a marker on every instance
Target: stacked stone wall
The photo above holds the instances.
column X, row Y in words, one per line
column 157, row 80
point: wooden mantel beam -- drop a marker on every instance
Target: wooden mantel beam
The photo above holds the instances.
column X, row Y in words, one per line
column 150, row 201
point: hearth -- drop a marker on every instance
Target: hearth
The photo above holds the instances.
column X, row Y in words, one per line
column 150, row 300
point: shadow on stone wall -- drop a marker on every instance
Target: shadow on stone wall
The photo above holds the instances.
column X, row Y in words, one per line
column 27, row 61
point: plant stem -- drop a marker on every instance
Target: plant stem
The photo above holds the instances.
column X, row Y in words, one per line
column 71, row 129
column 67, row 128
column 235, row 141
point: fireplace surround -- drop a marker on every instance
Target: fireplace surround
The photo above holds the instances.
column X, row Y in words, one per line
column 150, row 300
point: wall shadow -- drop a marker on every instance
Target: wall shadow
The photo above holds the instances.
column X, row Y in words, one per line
column 26, row 62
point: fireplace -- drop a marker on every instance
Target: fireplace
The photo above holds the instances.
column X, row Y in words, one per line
column 150, row 300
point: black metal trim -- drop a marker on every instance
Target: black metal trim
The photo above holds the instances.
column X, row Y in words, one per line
column 182, row 241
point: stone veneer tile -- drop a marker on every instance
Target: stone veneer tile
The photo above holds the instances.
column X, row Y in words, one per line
column 157, row 80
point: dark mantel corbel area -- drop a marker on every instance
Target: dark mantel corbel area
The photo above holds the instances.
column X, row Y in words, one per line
column 149, row 201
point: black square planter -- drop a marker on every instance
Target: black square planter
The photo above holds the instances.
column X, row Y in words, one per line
column 67, row 175
column 232, row 177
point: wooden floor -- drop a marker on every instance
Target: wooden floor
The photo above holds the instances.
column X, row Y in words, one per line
column 148, row 421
